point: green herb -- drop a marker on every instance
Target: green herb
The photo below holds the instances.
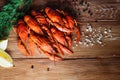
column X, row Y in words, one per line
column 13, row 10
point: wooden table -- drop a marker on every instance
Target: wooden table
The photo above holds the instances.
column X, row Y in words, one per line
column 87, row 63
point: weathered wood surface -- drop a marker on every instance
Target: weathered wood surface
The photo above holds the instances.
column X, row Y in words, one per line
column 80, row 69
column 87, row 63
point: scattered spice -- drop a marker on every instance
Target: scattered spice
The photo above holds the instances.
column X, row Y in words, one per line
column 48, row 69
column 32, row 66
column 91, row 35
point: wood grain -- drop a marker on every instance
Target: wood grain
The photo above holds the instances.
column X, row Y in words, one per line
column 87, row 63
column 80, row 69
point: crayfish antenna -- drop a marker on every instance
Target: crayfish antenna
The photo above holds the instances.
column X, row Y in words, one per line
column 78, row 34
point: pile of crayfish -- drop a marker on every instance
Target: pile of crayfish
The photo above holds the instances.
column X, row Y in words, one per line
column 51, row 30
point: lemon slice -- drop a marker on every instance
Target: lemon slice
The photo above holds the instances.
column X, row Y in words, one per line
column 5, row 59
column 3, row 44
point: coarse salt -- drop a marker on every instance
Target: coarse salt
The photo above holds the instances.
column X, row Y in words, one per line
column 92, row 35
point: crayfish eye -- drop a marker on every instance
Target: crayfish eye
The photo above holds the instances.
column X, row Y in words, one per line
column 28, row 35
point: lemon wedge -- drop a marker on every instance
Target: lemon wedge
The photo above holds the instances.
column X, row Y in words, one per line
column 3, row 44
column 5, row 59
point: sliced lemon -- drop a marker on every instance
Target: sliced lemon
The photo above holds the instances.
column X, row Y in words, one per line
column 3, row 44
column 5, row 59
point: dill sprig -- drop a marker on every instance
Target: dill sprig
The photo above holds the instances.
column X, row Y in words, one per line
column 13, row 10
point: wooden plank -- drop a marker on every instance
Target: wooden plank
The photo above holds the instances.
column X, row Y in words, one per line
column 111, row 49
column 80, row 69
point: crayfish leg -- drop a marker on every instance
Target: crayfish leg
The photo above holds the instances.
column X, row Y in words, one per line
column 77, row 34
column 22, row 48
column 58, row 48
column 65, row 49
column 69, row 40
column 77, row 29
column 31, row 47
column 62, row 28
column 53, row 57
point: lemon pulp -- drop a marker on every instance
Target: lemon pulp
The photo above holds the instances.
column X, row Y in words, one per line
column 5, row 59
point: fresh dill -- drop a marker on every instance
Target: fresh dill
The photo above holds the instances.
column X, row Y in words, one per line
column 13, row 10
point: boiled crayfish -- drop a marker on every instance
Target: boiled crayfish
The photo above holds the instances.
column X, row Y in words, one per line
column 50, row 30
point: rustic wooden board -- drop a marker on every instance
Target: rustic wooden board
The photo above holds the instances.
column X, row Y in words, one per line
column 79, row 69
column 87, row 63
column 111, row 48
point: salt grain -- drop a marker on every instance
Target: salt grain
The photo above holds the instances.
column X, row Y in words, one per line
column 100, row 37
column 76, row 45
column 83, row 33
column 102, row 45
column 109, row 30
column 89, row 28
column 87, row 45
column 91, row 44
column 73, row 47
column 87, row 40
column 99, row 42
column 105, row 32
column 84, row 43
column 86, row 36
column 80, row 42
column 74, row 41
